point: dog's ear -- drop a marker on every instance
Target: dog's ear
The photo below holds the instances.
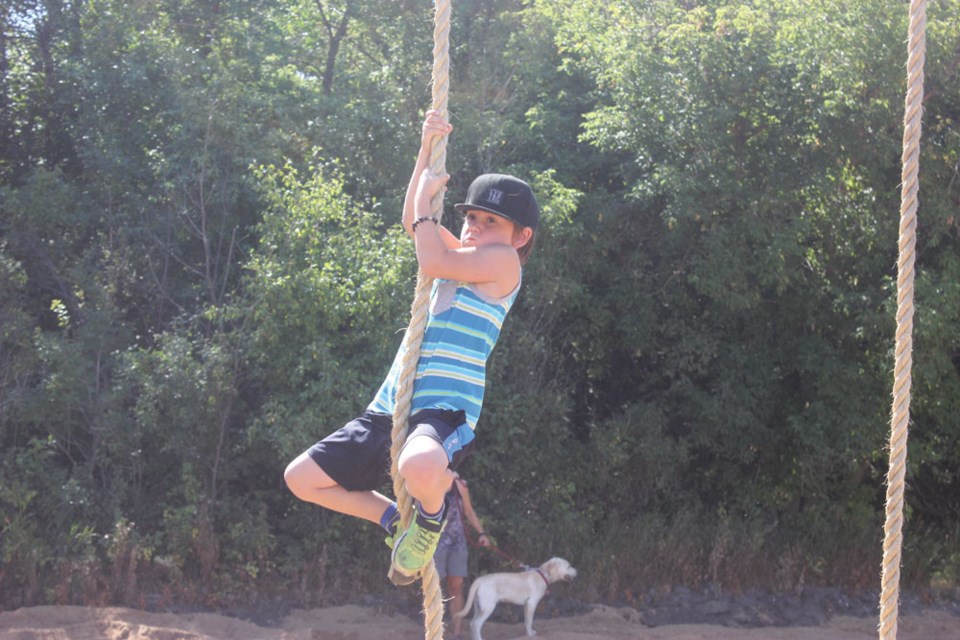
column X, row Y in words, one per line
column 553, row 568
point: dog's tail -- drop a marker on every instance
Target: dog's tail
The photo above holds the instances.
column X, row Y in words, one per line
column 469, row 603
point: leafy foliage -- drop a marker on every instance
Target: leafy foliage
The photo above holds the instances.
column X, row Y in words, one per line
column 201, row 274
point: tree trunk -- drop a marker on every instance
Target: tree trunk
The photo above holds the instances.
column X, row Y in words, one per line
column 333, row 46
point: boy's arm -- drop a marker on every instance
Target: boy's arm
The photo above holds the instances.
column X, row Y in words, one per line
column 492, row 263
column 434, row 127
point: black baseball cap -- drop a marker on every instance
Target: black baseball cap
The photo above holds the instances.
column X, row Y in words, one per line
column 505, row 196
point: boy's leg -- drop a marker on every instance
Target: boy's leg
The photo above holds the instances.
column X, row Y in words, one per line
column 423, row 465
column 310, row 483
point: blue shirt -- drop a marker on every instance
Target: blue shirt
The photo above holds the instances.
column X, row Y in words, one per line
column 462, row 328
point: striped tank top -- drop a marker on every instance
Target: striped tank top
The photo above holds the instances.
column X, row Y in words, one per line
column 462, row 328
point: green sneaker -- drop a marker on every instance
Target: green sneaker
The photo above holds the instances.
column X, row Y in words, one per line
column 393, row 533
column 413, row 549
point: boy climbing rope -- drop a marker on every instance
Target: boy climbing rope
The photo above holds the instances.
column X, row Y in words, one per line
column 477, row 279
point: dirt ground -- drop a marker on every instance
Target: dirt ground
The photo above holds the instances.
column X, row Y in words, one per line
column 357, row 623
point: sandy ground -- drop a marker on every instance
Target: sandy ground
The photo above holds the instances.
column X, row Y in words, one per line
column 356, row 623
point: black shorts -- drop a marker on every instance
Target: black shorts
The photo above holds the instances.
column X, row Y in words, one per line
column 357, row 456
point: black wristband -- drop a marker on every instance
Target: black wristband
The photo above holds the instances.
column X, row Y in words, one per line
column 416, row 222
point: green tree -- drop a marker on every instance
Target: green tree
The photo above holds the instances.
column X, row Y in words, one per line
column 758, row 217
column 201, row 273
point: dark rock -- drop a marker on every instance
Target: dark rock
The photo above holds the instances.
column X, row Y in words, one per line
column 714, row 607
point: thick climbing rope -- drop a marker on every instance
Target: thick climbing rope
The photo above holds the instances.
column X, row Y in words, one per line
column 413, row 338
column 896, row 473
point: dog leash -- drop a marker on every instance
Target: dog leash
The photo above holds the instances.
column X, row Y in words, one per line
column 474, row 542
column 492, row 547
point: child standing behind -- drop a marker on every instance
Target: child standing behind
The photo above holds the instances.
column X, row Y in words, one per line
column 477, row 279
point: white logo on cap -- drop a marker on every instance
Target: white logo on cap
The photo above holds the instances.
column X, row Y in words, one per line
column 494, row 196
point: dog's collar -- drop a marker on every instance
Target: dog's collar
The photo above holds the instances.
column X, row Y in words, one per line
column 545, row 581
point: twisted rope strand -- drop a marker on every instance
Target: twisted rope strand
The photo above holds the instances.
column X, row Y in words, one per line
column 893, row 528
column 413, row 339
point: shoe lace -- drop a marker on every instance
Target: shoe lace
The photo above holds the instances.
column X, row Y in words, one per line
column 422, row 541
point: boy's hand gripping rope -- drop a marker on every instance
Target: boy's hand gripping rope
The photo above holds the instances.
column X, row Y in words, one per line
column 413, row 339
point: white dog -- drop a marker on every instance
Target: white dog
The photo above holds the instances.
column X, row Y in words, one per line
column 526, row 588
